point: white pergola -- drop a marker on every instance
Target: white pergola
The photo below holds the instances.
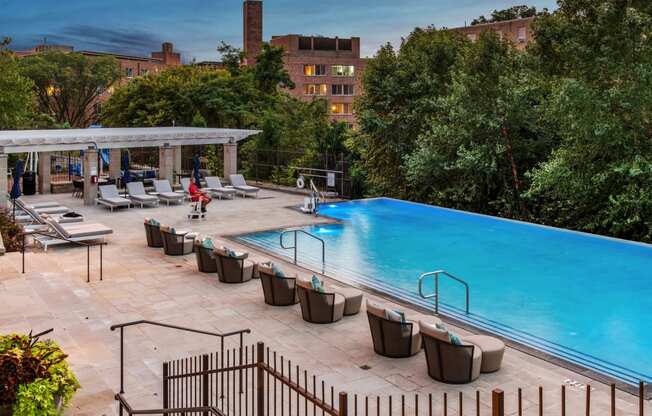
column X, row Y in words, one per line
column 168, row 139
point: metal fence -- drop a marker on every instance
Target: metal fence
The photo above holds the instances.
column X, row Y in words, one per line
column 283, row 168
column 64, row 166
column 255, row 381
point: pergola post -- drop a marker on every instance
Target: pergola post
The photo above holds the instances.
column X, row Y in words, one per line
column 115, row 159
column 166, row 163
column 230, row 159
column 44, row 161
column 177, row 159
column 90, row 171
column 4, row 185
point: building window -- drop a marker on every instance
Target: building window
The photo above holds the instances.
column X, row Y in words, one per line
column 344, row 44
column 341, row 108
column 343, row 70
column 305, row 43
column 315, row 89
column 342, row 89
column 129, row 72
column 144, row 71
column 472, row 37
column 314, row 70
column 521, row 34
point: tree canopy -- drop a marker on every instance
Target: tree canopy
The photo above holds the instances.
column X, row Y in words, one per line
column 511, row 13
column 17, row 98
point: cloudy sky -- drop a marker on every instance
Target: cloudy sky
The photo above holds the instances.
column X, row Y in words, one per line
column 196, row 26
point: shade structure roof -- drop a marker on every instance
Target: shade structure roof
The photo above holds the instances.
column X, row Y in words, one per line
column 18, row 141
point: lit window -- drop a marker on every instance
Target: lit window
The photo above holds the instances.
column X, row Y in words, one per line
column 521, row 34
column 129, row 72
column 343, row 70
column 500, row 34
column 472, row 37
column 315, row 89
column 314, row 70
column 342, row 89
column 341, row 108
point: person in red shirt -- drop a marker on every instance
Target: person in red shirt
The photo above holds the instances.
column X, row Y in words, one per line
column 196, row 195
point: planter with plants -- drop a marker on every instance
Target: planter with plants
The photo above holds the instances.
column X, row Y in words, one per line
column 35, row 379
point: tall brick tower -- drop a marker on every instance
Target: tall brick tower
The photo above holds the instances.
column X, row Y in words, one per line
column 252, row 11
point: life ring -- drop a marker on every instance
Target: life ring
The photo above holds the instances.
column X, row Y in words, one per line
column 301, row 182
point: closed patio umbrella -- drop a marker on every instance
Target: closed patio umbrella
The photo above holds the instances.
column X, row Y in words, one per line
column 15, row 188
column 195, row 169
column 126, row 174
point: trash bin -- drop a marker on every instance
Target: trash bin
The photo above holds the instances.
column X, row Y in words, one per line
column 29, row 183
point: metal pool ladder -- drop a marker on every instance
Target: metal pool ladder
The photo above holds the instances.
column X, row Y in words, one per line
column 295, row 232
column 435, row 295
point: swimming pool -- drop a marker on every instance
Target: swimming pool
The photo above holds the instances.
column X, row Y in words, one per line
column 583, row 298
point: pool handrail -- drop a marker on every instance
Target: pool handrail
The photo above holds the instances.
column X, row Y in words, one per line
column 435, row 295
column 298, row 230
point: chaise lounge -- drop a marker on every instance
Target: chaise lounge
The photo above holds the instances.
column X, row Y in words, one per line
column 75, row 232
column 238, row 182
column 215, row 188
column 109, row 197
column 165, row 193
column 138, row 195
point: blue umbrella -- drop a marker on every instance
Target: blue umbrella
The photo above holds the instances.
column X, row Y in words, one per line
column 126, row 174
column 195, row 169
column 15, row 188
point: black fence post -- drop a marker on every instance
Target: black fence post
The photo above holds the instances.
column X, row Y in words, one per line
column 204, row 382
column 260, row 379
column 166, row 387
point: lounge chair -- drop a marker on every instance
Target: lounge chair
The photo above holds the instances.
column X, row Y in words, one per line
column 390, row 336
column 110, row 197
column 43, row 208
column 77, row 232
column 233, row 269
column 319, row 307
column 215, row 188
column 278, row 290
column 177, row 243
column 447, row 362
column 153, row 234
column 205, row 258
column 238, row 182
column 185, row 188
column 30, row 216
column 165, row 193
column 138, row 195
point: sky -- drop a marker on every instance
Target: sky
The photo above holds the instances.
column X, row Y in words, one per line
column 196, row 27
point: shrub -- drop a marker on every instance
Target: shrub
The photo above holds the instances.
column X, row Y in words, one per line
column 35, row 378
column 9, row 231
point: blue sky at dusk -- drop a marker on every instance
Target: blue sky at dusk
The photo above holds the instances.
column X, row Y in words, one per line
column 197, row 26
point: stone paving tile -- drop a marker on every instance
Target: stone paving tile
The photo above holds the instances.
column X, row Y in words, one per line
column 141, row 283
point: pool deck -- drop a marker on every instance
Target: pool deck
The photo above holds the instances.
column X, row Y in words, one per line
column 142, row 283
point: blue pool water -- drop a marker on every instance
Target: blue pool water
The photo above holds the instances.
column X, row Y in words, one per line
column 580, row 297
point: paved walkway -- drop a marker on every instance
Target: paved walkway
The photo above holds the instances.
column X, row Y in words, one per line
column 142, row 283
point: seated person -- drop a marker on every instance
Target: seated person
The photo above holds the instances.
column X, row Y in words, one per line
column 196, row 195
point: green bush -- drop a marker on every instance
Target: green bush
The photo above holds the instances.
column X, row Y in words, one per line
column 9, row 231
column 35, row 379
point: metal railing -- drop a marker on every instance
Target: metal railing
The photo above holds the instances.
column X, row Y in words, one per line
column 180, row 328
column 77, row 243
column 295, row 232
column 435, row 295
column 124, row 406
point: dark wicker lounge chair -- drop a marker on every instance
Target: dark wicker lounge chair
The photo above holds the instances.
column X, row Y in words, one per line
column 233, row 269
column 318, row 307
column 392, row 338
column 449, row 363
column 153, row 234
column 278, row 291
column 178, row 243
column 205, row 258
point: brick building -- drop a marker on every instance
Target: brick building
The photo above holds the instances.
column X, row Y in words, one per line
column 519, row 31
column 328, row 68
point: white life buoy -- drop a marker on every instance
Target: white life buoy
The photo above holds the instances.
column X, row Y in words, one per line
column 301, row 182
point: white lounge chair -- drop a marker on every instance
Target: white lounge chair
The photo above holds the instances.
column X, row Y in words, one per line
column 240, row 185
column 38, row 208
column 215, row 188
column 185, row 187
column 138, row 195
column 110, row 197
column 165, row 193
column 30, row 216
column 78, row 232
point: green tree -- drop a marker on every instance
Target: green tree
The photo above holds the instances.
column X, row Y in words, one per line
column 511, row 13
column 269, row 71
column 400, row 97
column 16, row 97
column 599, row 56
column 67, row 85
column 231, row 57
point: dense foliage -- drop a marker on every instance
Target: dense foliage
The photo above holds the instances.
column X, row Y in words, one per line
column 559, row 134
column 35, row 379
column 10, row 231
column 16, row 97
column 511, row 13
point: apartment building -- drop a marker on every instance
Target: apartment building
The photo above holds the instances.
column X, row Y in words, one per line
column 518, row 31
column 328, row 68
